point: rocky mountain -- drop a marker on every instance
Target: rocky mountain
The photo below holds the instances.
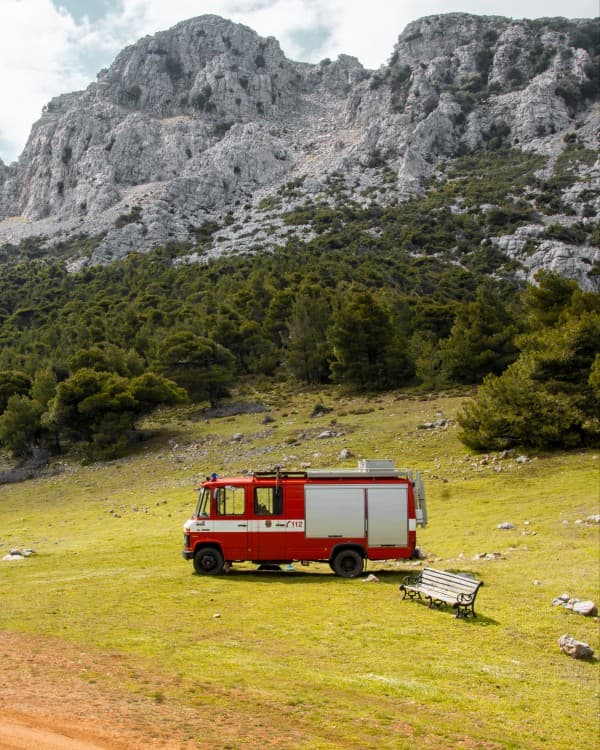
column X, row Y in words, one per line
column 210, row 125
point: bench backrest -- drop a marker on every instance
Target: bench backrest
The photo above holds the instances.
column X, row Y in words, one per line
column 450, row 582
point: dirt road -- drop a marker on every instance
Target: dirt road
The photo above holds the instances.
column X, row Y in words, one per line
column 23, row 732
column 56, row 696
column 60, row 696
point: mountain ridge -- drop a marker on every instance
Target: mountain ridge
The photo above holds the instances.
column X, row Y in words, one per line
column 207, row 123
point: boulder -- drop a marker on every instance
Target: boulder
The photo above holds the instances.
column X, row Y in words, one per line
column 575, row 649
column 585, row 607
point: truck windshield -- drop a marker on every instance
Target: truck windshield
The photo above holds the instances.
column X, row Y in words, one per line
column 203, row 507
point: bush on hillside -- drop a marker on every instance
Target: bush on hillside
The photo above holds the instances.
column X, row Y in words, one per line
column 550, row 397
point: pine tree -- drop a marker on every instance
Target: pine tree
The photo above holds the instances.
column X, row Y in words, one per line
column 548, row 398
column 20, row 425
column 204, row 368
column 481, row 340
column 308, row 353
column 368, row 351
column 13, row 383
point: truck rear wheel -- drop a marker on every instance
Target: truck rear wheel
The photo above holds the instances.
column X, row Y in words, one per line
column 348, row 563
column 208, row 561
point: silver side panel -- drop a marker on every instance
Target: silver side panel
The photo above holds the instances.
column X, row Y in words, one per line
column 349, row 510
column 388, row 516
column 333, row 512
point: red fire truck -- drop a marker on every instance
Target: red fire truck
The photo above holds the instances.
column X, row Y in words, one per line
column 343, row 517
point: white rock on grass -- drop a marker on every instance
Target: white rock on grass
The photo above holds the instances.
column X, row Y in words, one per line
column 585, row 607
column 574, row 648
column 14, row 555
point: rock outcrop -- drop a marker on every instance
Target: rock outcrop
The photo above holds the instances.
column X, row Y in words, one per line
column 206, row 120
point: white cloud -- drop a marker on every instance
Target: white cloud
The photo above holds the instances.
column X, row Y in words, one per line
column 30, row 69
column 45, row 52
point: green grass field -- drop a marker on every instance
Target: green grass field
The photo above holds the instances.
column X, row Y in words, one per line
column 303, row 657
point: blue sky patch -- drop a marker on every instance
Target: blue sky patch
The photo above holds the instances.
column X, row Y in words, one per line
column 93, row 9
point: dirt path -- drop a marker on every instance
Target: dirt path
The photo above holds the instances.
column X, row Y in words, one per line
column 26, row 732
column 57, row 696
column 60, row 696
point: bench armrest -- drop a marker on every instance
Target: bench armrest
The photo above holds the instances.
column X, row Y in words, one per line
column 411, row 580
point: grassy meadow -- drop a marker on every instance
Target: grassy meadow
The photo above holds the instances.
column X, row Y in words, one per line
column 304, row 659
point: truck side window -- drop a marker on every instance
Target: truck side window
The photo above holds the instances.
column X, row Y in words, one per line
column 230, row 501
column 268, row 501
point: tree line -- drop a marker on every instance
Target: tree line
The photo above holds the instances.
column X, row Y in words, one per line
column 92, row 353
column 403, row 296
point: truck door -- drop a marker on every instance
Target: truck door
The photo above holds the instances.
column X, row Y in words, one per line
column 268, row 527
column 387, row 508
column 231, row 522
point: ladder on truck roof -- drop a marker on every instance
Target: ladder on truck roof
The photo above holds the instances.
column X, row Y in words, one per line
column 277, row 474
column 366, row 467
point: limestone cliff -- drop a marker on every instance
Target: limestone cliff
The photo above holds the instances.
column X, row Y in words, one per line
column 207, row 120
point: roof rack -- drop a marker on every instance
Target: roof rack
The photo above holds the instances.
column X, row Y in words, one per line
column 276, row 474
column 366, row 467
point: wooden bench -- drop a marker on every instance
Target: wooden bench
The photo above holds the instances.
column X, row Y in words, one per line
column 441, row 587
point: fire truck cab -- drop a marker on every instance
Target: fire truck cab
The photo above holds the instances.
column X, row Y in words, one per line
column 343, row 517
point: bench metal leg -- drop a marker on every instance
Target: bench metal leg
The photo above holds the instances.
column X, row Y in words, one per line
column 411, row 593
column 465, row 610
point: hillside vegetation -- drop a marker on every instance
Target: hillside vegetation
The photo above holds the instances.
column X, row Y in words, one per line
column 106, row 613
column 374, row 298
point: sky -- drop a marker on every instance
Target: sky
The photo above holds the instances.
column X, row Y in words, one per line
column 52, row 47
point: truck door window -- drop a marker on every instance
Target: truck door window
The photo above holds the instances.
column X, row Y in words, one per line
column 230, row 501
column 268, row 501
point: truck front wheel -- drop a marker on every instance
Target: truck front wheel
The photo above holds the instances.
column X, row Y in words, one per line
column 348, row 563
column 208, row 561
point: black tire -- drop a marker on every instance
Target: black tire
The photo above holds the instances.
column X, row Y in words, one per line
column 208, row 561
column 348, row 563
